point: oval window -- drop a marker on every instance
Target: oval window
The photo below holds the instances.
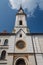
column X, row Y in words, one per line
column 20, row 44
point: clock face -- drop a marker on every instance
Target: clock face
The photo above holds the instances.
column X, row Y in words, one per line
column 20, row 44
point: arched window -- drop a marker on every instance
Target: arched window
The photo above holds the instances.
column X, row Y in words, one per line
column 20, row 62
column 0, row 40
column 6, row 42
column 20, row 22
column 20, row 35
column 3, row 54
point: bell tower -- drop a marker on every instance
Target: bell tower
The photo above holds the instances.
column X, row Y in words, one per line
column 20, row 22
column 22, row 43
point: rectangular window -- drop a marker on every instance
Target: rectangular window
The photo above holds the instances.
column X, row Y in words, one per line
column 20, row 22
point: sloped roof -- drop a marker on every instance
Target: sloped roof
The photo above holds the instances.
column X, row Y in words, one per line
column 21, row 12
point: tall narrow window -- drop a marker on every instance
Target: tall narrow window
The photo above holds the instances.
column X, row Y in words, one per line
column 20, row 22
column 6, row 42
column 0, row 40
column 3, row 54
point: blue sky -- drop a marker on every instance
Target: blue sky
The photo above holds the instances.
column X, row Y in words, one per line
column 34, row 15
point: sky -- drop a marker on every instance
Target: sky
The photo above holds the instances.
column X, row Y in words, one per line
column 33, row 9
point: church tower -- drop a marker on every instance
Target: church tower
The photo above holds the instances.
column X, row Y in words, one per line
column 23, row 44
column 20, row 22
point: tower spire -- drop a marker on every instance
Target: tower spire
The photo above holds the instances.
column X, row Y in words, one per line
column 20, row 6
column 20, row 3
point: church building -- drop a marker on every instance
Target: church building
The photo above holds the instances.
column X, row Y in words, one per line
column 21, row 47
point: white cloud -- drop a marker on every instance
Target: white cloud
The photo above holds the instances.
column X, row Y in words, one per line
column 29, row 4
column 41, row 4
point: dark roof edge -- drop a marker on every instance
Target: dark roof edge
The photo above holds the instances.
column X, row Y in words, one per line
column 34, row 33
column 10, row 34
column 21, row 14
column 7, row 34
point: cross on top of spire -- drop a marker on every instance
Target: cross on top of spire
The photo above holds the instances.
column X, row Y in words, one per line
column 20, row 6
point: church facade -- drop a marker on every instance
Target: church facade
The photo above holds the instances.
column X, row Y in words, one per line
column 21, row 47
